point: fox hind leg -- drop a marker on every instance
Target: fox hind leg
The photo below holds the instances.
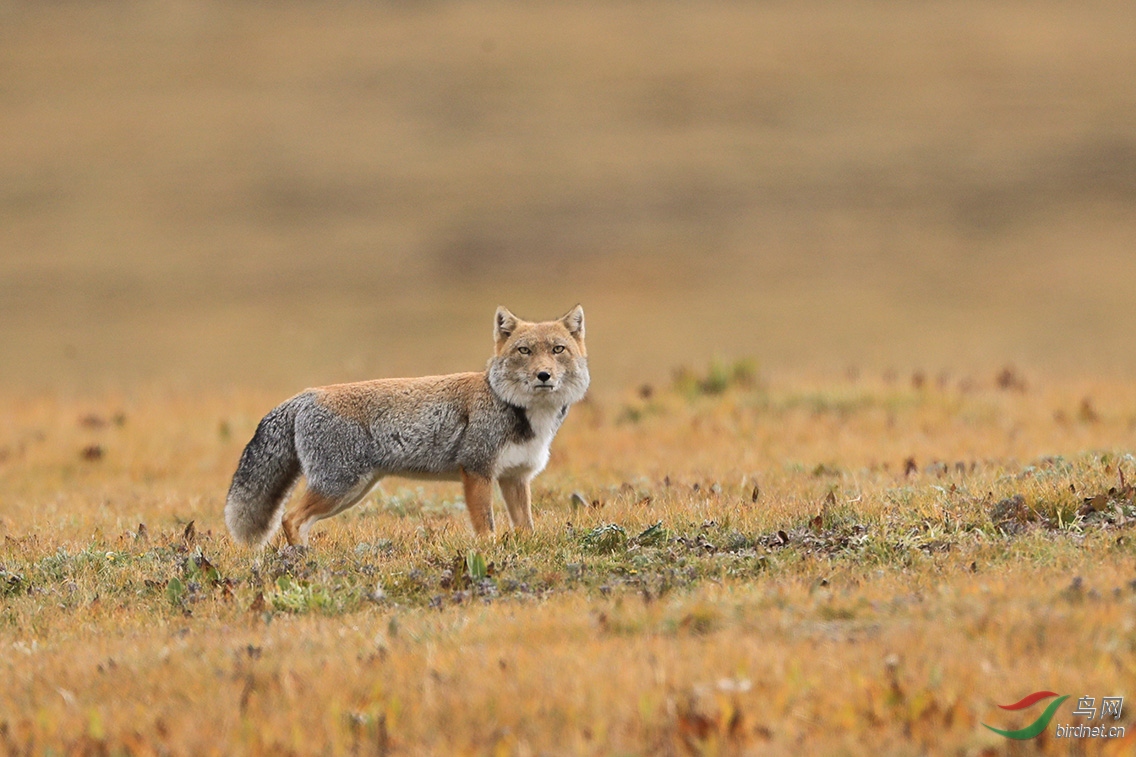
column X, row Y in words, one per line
column 311, row 507
column 315, row 505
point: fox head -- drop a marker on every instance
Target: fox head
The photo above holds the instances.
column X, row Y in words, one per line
column 539, row 364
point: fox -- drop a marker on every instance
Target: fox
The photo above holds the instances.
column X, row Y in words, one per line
column 477, row 428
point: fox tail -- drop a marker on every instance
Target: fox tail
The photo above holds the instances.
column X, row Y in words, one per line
column 268, row 470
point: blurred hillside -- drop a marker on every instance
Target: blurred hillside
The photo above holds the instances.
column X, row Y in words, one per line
column 242, row 193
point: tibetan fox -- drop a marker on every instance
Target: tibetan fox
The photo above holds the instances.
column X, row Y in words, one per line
column 473, row 427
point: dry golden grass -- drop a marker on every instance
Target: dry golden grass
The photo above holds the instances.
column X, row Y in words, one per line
column 856, row 606
column 205, row 206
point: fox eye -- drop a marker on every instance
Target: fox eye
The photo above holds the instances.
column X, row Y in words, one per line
column 558, row 349
column 524, row 350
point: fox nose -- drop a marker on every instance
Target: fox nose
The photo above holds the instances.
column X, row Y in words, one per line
column 544, row 376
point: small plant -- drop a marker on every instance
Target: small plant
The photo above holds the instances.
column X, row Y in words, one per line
column 175, row 591
column 198, row 568
column 653, row 536
column 475, row 566
column 605, row 539
column 11, row 583
column 301, row 597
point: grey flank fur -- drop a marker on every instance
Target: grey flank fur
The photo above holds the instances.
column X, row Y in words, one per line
column 429, row 438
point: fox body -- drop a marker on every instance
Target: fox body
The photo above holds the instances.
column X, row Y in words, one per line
column 474, row 427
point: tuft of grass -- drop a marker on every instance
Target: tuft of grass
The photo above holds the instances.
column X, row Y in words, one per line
column 11, row 583
column 718, row 378
column 606, row 539
column 299, row 597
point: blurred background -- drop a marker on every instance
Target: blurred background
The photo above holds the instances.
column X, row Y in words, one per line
column 218, row 194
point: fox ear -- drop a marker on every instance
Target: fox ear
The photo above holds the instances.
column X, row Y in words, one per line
column 574, row 322
column 504, row 324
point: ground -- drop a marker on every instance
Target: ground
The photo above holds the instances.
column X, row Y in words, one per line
column 855, row 468
column 919, row 553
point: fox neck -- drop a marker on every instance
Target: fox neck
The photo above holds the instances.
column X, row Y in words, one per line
column 527, row 455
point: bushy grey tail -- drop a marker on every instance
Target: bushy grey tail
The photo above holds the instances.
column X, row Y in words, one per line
column 266, row 473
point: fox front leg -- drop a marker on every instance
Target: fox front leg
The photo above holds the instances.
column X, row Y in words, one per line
column 518, row 500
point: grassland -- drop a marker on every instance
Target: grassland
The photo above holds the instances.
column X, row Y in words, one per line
column 859, row 539
column 854, row 567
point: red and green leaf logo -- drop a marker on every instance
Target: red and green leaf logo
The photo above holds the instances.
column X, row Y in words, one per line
column 1036, row 727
